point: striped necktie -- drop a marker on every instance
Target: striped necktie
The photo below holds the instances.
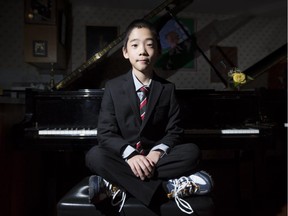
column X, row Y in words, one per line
column 143, row 107
column 143, row 101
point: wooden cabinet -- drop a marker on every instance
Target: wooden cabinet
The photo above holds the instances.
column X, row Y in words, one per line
column 42, row 46
column 44, row 33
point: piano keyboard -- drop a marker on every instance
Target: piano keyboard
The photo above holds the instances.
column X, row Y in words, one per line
column 240, row 131
column 231, row 131
column 68, row 132
column 93, row 132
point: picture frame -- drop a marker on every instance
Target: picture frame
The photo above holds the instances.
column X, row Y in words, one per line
column 40, row 48
column 97, row 37
column 178, row 51
column 40, row 12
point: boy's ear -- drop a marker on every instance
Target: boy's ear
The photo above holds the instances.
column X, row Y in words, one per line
column 125, row 54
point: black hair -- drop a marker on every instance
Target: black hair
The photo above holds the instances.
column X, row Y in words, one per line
column 141, row 23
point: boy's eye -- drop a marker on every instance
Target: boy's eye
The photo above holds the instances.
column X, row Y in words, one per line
column 133, row 45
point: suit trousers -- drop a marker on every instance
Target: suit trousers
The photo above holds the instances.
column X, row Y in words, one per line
column 181, row 160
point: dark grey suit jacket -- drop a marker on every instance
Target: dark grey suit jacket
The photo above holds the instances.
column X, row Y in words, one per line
column 119, row 122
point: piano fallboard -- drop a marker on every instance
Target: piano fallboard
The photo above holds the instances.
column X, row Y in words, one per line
column 63, row 109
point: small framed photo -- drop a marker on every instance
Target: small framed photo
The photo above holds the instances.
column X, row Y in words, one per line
column 40, row 48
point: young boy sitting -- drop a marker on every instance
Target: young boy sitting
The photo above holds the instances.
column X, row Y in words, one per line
column 140, row 151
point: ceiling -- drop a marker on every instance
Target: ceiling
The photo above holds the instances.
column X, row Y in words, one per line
column 260, row 7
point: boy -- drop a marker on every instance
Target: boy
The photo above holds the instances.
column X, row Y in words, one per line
column 140, row 151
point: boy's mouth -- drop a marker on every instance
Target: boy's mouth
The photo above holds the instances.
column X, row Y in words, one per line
column 143, row 60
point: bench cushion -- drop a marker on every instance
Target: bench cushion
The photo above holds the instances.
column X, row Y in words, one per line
column 76, row 203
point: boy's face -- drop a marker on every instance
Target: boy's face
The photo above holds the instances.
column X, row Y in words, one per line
column 141, row 50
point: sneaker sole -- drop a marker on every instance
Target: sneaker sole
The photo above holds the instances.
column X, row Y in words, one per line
column 93, row 187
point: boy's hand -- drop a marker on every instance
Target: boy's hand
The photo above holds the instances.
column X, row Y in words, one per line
column 154, row 156
column 141, row 166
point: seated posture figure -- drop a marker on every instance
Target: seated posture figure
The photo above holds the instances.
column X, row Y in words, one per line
column 140, row 151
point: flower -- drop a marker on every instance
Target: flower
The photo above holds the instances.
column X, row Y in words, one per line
column 238, row 77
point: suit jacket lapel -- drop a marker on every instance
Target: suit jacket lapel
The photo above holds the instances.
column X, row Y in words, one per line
column 155, row 91
column 129, row 88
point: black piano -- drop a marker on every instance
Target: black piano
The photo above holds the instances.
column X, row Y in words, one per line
column 65, row 117
column 67, row 120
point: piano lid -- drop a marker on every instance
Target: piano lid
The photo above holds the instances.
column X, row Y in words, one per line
column 112, row 54
column 278, row 56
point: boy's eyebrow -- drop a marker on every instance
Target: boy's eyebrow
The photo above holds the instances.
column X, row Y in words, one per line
column 135, row 40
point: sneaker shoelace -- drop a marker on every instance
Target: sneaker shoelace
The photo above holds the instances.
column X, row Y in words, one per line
column 114, row 192
column 183, row 187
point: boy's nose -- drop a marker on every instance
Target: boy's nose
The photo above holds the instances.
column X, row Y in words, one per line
column 142, row 50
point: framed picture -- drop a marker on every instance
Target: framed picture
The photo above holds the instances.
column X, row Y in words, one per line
column 40, row 48
column 178, row 51
column 40, row 11
column 97, row 37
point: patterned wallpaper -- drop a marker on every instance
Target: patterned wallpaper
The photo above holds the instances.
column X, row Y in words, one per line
column 259, row 37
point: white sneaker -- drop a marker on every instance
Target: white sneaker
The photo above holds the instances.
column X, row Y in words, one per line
column 199, row 183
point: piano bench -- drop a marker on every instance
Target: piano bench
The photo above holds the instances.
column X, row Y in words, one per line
column 76, row 203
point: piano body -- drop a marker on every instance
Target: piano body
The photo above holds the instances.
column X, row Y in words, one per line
column 66, row 117
column 67, row 120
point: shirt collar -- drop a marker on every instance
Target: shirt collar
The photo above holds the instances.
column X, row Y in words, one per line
column 138, row 84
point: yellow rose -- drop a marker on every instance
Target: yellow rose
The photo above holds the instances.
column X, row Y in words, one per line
column 239, row 78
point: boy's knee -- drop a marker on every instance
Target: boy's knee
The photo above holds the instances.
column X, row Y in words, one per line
column 91, row 158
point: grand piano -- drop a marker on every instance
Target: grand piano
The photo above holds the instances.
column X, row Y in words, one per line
column 65, row 117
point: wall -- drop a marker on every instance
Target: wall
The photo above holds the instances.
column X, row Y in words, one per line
column 14, row 72
column 254, row 41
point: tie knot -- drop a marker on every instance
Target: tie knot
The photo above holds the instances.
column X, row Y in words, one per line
column 144, row 89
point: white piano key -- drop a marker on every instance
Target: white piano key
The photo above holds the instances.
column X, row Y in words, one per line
column 240, row 131
column 68, row 132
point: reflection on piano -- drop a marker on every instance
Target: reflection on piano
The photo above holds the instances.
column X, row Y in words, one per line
column 66, row 118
